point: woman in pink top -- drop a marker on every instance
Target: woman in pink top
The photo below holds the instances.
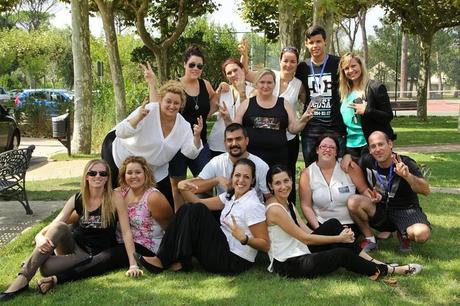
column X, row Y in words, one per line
column 148, row 210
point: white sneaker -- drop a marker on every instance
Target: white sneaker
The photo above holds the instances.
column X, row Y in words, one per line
column 414, row 269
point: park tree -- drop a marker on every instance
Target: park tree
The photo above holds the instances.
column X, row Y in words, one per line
column 81, row 140
column 167, row 17
column 424, row 19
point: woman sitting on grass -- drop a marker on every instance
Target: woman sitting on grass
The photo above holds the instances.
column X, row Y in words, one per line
column 228, row 247
column 91, row 242
column 148, row 210
column 289, row 237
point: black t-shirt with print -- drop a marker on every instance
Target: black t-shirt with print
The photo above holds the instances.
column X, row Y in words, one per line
column 401, row 194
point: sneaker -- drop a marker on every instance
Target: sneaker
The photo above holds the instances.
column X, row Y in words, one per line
column 368, row 246
column 414, row 269
column 404, row 243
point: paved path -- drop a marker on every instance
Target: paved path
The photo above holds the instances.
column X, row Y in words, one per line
column 452, row 147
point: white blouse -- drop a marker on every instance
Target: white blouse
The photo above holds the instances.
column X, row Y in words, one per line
column 147, row 140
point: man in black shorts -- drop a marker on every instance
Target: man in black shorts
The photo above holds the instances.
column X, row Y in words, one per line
column 396, row 180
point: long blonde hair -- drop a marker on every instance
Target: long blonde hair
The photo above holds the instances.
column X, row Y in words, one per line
column 345, row 84
column 107, row 209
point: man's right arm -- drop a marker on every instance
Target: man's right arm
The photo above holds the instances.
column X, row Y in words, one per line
column 205, row 185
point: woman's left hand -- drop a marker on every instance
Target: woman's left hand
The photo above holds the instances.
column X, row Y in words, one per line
column 237, row 231
column 359, row 108
column 347, row 235
column 308, row 114
column 198, row 127
column 134, row 271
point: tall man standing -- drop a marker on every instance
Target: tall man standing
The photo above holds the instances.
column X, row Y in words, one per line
column 320, row 78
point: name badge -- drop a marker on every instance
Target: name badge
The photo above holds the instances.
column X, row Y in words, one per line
column 344, row 189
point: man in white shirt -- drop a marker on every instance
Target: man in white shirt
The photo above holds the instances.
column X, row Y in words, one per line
column 218, row 170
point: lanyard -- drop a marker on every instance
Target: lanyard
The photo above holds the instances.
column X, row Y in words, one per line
column 389, row 181
column 318, row 83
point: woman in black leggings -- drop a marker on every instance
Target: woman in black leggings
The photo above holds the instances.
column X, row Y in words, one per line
column 289, row 236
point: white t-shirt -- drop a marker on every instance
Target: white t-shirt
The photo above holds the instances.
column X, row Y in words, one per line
column 330, row 201
column 231, row 99
column 291, row 94
column 221, row 165
column 247, row 210
column 147, row 140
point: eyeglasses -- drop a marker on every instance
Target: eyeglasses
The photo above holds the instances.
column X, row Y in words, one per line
column 290, row 49
column 94, row 173
column 326, row 147
column 193, row 65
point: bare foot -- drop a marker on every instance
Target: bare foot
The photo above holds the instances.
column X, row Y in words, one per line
column 175, row 267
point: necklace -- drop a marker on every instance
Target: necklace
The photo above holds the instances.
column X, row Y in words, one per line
column 195, row 99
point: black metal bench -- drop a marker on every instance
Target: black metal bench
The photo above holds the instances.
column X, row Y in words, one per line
column 401, row 105
column 13, row 167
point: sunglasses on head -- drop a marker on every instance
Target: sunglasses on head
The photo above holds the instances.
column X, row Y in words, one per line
column 290, row 49
column 94, row 173
column 193, row 65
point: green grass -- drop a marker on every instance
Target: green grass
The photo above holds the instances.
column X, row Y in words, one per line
column 52, row 189
column 444, row 167
column 66, row 157
column 438, row 130
column 438, row 284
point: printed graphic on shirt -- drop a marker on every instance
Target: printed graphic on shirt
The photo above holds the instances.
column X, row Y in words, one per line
column 91, row 222
column 322, row 103
column 268, row 123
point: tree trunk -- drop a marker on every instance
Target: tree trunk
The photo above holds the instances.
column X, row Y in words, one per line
column 81, row 140
column 161, row 57
column 424, row 76
column 404, row 64
column 291, row 25
column 116, row 72
column 323, row 18
column 362, row 24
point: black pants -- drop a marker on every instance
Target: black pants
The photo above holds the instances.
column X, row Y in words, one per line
column 332, row 227
column 293, row 154
column 164, row 186
column 194, row 232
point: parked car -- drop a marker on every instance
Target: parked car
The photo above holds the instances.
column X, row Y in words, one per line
column 5, row 97
column 10, row 136
column 54, row 101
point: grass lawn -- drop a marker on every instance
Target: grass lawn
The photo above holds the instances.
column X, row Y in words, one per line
column 444, row 167
column 52, row 189
column 438, row 284
column 66, row 157
column 437, row 130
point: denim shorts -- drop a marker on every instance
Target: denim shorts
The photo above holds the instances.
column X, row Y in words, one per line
column 178, row 165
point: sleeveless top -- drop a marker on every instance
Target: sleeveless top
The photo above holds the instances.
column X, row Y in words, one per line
column 146, row 230
column 282, row 245
column 190, row 111
column 330, row 201
column 291, row 94
column 267, row 131
column 89, row 233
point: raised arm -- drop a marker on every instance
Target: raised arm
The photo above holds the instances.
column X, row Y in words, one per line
column 151, row 80
column 295, row 126
column 240, row 111
column 417, row 183
column 243, row 47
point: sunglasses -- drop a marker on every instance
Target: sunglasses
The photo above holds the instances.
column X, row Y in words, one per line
column 290, row 49
column 94, row 173
column 193, row 65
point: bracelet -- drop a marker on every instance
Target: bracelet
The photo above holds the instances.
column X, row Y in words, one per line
column 133, row 267
column 245, row 241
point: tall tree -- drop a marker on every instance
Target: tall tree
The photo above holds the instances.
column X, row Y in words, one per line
column 423, row 18
column 81, row 140
column 169, row 17
column 404, row 64
column 35, row 13
column 293, row 17
column 107, row 10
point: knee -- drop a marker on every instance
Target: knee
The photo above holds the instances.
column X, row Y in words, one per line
column 419, row 233
column 56, row 228
column 355, row 202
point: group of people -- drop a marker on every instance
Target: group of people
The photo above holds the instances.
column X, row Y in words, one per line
column 157, row 219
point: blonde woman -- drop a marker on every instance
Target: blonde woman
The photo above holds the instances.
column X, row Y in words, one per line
column 365, row 104
column 90, row 242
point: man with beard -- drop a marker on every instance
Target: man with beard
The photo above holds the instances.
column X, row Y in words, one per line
column 217, row 171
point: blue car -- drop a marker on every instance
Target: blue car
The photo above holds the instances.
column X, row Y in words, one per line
column 54, row 101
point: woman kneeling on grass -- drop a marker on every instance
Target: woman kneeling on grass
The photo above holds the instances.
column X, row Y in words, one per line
column 228, row 247
column 91, row 242
column 289, row 236
column 148, row 210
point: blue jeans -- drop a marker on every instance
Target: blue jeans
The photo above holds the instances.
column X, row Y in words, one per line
column 308, row 145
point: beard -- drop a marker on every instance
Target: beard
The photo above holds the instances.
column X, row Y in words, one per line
column 235, row 153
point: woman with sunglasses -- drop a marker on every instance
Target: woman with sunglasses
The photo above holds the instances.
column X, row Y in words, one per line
column 226, row 247
column 148, row 210
column 365, row 105
column 289, row 236
column 200, row 103
column 290, row 88
column 157, row 132
column 90, row 245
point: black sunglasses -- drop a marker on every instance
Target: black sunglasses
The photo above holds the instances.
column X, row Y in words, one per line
column 192, row 65
column 94, row 173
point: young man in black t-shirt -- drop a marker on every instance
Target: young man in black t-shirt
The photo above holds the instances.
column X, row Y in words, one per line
column 395, row 205
column 320, row 78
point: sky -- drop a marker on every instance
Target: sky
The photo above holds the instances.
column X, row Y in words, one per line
column 227, row 13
